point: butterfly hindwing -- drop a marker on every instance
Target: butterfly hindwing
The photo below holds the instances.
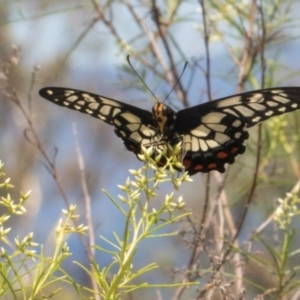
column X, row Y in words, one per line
column 211, row 141
column 136, row 129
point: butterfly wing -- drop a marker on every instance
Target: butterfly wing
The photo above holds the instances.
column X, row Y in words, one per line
column 135, row 126
column 214, row 133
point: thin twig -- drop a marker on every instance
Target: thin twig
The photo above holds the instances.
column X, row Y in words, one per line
column 181, row 92
column 88, row 212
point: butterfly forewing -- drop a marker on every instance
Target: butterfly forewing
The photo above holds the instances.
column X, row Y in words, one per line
column 132, row 124
column 250, row 107
column 212, row 134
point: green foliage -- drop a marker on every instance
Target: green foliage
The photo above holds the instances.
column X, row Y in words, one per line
column 278, row 265
column 140, row 222
column 24, row 273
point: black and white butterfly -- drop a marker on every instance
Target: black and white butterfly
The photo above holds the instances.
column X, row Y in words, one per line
column 212, row 134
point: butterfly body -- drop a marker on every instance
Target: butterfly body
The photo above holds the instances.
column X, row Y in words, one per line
column 212, row 134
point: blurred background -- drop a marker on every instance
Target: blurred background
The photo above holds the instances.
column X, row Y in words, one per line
column 83, row 45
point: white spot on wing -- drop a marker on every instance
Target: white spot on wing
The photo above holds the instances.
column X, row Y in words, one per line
column 117, row 123
column 244, row 111
column 136, row 137
column 72, row 98
column 257, row 106
column 109, row 102
column 236, row 123
column 147, row 131
column 123, row 134
column 272, row 103
column 217, row 127
column 146, row 142
column 88, row 98
column 281, row 99
column 228, row 102
column 282, row 109
column 230, row 111
column 269, row 113
column 212, row 144
column 200, row 131
column 68, row 93
column 131, row 118
column 256, row 98
column 94, row 105
column 237, row 135
column 133, row 127
column 195, row 144
column 277, row 91
column 115, row 111
column 105, row 110
column 256, row 119
column 213, row 117
column 187, row 142
column 203, row 146
column 49, row 92
column 283, row 94
column 221, row 138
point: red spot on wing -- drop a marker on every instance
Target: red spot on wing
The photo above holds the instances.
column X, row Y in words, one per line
column 222, row 154
column 212, row 166
column 234, row 150
column 187, row 163
column 132, row 148
column 198, row 167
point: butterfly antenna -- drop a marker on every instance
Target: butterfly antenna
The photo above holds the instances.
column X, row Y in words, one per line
column 178, row 79
column 136, row 73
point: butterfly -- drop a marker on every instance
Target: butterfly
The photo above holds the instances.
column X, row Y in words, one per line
column 212, row 134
